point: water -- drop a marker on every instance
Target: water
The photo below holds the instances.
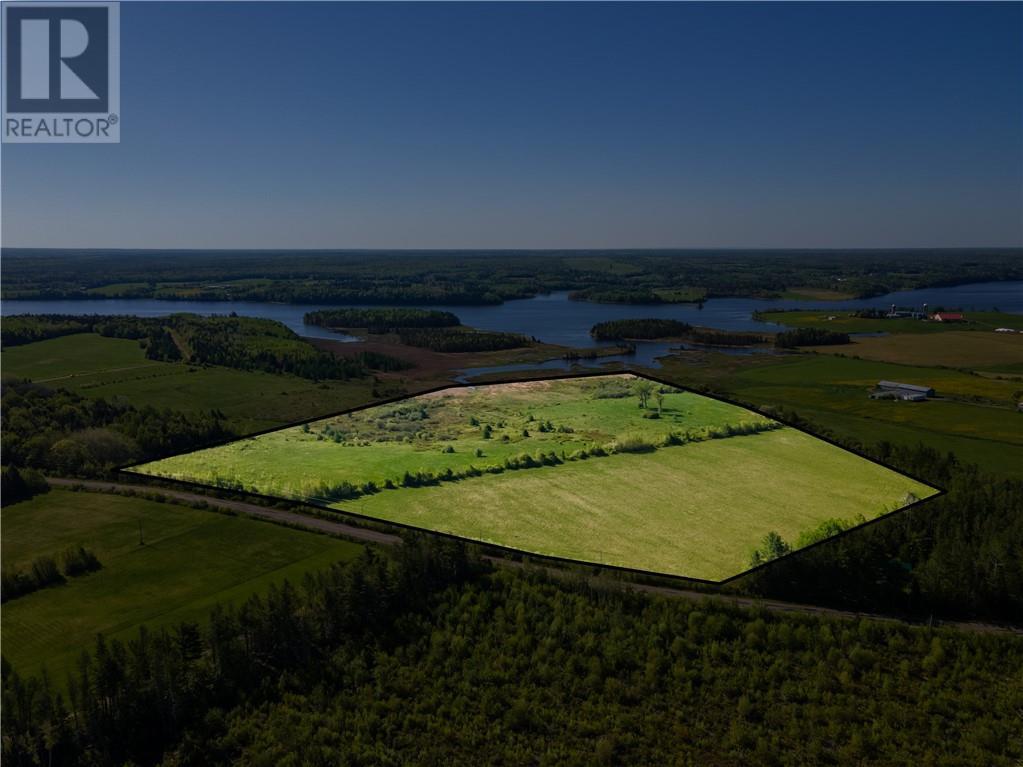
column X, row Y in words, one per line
column 554, row 319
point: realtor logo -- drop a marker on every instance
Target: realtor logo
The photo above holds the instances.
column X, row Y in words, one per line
column 61, row 72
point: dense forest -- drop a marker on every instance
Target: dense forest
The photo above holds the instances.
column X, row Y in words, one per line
column 712, row 337
column 466, row 278
column 58, row 431
column 462, row 339
column 431, row 659
column 790, row 339
column 615, row 330
column 381, row 320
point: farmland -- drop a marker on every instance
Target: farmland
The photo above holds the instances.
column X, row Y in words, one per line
column 685, row 484
column 117, row 369
column 974, row 418
column 228, row 558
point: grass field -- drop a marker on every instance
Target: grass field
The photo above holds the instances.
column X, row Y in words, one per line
column 695, row 509
column 191, row 560
column 976, row 419
column 997, row 352
column 117, row 370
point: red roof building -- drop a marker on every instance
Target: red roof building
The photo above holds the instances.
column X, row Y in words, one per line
column 948, row 317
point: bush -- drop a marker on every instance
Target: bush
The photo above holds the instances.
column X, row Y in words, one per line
column 79, row 561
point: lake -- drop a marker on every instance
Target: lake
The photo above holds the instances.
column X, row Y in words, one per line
column 554, row 319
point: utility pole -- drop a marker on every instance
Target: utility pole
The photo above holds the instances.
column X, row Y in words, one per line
column 142, row 541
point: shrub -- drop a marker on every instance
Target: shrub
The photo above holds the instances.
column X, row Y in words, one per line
column 79, row 561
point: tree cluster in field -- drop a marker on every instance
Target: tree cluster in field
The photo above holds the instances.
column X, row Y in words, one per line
column 371, row 661
column 790, row 339
column 623, row 348
column 20, row 484
column 382, row 320
column 773, row 546
column 333, row 492
column 462, row 339
column 614, row 330
column 44, row 572
column 725, row 337
column 60, row 432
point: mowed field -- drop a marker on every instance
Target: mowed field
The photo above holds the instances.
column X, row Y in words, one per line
column 975, row 416
column 695, row 509
column 192, row 559
column 996, row 352
column 116, row 369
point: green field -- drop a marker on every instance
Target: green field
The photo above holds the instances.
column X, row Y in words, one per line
column 117, row 370
column 975, row 417
column 994, row 352
column 636, row 499
column 192, row 559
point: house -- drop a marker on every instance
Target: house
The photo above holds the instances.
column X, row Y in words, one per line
column 948, row 317
column 902, row 391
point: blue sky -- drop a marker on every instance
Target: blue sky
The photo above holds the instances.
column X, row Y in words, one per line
column 544, row 126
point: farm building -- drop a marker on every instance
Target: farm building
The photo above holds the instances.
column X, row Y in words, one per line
column 903, row 391
column 948, row 317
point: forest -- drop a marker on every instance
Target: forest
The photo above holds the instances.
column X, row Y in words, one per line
column 58, row 431
column 432, row 658
column 381, row 320
column 790, row 339
column 462, row 339
column 488, row 277
column 616, row 330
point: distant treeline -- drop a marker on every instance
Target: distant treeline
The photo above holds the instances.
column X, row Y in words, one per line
column 461, row 339
column 63, row 433
column 614, row 330
column 790, row 339
column 465, row 278
column 243, row 343
column 381, row 320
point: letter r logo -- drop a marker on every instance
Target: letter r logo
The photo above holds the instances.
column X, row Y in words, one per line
column 57, row 58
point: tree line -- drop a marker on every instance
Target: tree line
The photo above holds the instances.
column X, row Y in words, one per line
column 790, row 339
column 381, row 320
column 61, row 432
column 615, row 330
column 462, row 339
column 432, row 659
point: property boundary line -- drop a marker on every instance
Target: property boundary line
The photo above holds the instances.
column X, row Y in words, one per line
column 129, row 469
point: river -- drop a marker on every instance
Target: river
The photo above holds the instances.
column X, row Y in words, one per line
column 554, row 319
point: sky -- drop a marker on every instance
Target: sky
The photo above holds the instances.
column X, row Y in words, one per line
column 535, row 125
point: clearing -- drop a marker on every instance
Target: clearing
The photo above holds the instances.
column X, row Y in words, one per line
column 611, row 469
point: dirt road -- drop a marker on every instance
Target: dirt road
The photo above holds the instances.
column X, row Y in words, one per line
column 353, row 532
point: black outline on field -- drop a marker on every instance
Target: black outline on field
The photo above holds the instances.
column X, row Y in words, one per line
column 510, row 549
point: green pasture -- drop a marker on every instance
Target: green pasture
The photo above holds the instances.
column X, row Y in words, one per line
column 117, row 370
column 975, row 417
column 1000, row 352
column 695, row 510
column 445, row 430
column 191, row 560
